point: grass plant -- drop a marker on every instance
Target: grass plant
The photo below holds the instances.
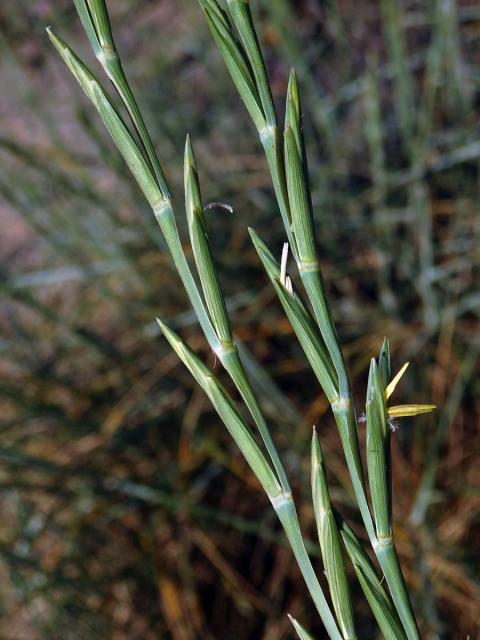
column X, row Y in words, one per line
column 285, row 152
column 128, row 512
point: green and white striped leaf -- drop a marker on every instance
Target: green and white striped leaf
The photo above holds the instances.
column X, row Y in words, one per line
column 297, row 179
column 287, row 515
column 166, row 221
column 378, row 599
column 235, row 60
column 293, row 112
column 86, row 19
column 112, row 120
column 243, row 59
column 330, row 546
column 384, row 364
column 227, row 411
column 242, row 19
column 302, row 322
column 94, row 17
column 206, row 268
column 294, row 120
column 378, row 443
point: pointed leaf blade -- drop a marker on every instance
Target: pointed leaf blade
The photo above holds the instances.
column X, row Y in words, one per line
column 227, row 411
column 330, row 546
column 378, row 442
column 206, row 268
column 301, row 632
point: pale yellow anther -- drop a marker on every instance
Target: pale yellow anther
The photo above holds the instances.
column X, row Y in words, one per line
column 391, row 387
column 404, row 410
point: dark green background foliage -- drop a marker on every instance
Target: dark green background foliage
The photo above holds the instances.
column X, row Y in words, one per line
column 126, row 511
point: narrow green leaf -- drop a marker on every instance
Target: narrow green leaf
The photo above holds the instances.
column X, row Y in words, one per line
column 378, row 441
column 388, row 559
column 87, row 22
column 247, row 71
column 166, row 221
column 231, row 361
column 94, row 17
column 227, row 411
column 112, row 120
column 329, row 538
column 378, row 599
column 310, row 339
column 206, row 268
column 384, row 365
column 235, row 60
column 287, row 515
column 320, row 493
column 298, row 190
column 294, row 121
column 101, row 23
column 242, row 18
column 293, row 113
column 301, row 633
column 302, row 322
column 272, row 142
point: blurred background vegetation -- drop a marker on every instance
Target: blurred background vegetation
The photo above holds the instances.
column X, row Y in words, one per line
column 126, row 511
